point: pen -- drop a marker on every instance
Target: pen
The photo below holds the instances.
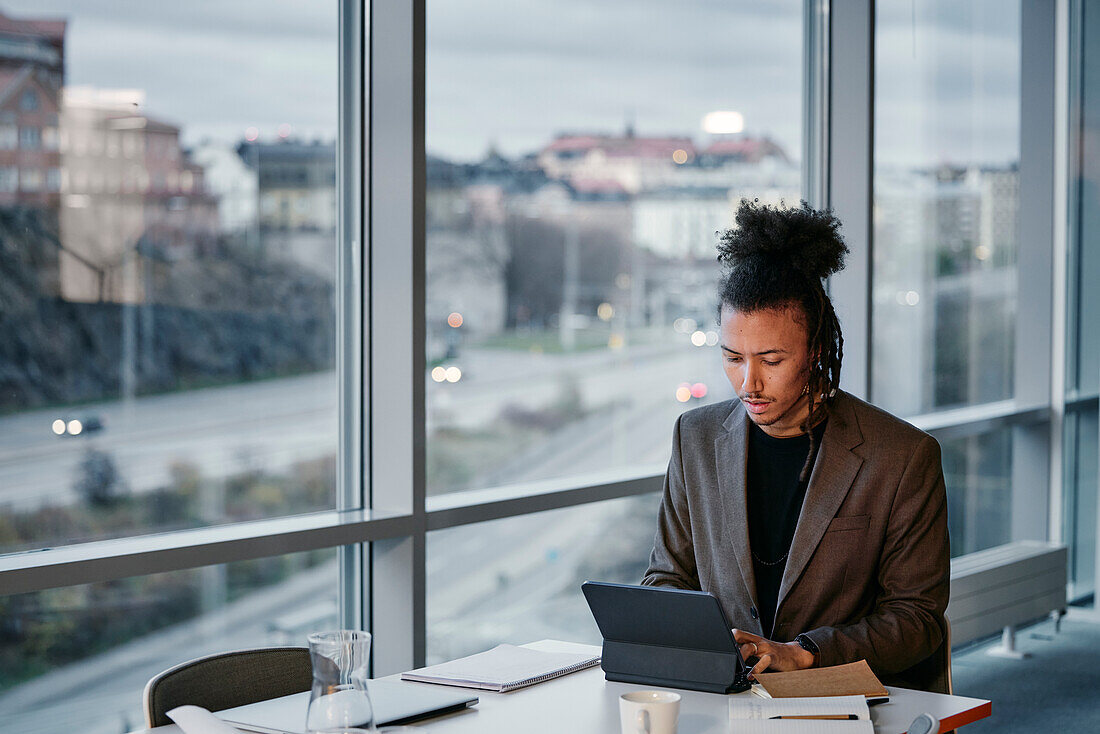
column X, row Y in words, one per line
column 843, row 717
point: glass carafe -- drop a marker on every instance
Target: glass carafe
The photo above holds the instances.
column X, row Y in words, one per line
column 339, row 698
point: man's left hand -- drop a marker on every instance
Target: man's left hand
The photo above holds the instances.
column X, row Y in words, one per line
column 775, row 656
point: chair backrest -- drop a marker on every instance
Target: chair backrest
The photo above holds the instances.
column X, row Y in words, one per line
column 939, row 664
column 947, row 654
column 228, row 679
column 932, row 674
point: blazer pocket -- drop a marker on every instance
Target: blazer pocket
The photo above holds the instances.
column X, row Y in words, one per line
column 849, row 522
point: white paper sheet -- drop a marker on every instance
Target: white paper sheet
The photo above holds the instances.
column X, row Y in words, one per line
column 799, row 726
column 197, row 720
column 752, row 707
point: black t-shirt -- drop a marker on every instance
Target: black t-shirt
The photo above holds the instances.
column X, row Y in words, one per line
column 774, row 502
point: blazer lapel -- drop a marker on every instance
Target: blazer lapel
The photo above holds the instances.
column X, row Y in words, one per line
column 731, row 455
column 834, row 471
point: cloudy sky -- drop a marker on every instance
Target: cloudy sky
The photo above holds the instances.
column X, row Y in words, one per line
column 513, row 73
column 516, row 72
column 947, row 81
column 214, row 67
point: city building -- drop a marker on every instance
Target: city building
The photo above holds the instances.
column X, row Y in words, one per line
column 296, row 183
column 233, row 183
column 32, row 71
column 133, row 201
column 632, row 162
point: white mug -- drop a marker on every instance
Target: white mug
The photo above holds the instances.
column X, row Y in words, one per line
column 649, row 712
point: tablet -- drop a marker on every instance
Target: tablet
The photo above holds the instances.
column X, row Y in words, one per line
column 665, row 636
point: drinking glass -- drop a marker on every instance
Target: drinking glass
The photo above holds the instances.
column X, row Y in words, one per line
column 339, row 699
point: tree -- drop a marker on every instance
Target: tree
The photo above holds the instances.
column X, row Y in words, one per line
column 99, row 483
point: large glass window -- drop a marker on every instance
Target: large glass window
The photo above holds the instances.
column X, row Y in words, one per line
column 167, row 296
column 166, row 348
column 1081, row 479
column 517, row 580
column 978, row 473
column 1083, row 338
column 167, row 338
column 77, row 658
column 581, row 157
column 946, row 195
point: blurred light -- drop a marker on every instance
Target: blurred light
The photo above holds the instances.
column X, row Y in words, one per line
column 684, row 326
column 75, row 427
column 622, row 281
column 698, row 390
column 683, row 393
column 679, row 156
column 605, row 311
column 982, row 252
column 284, row 130
column 59, row 427
column 615, row 341
column 723, row 122
column 698, row 338
column 454, row 374
column 251, row 133
column 439, row 374
column 454, row 320
column 712, row 338
column 907, row 298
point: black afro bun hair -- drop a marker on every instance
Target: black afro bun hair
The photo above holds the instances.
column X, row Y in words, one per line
column 805, row 239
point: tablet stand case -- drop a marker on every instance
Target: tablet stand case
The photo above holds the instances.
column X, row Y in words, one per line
column 672, row 667
column 666, row 637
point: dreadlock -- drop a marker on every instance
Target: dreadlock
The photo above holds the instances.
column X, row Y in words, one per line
column 777, row 258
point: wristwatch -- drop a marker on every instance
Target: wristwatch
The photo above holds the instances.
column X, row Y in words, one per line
column 809, row 645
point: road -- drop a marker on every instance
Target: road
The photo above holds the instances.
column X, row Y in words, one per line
column 220, row 431
column 274, row 424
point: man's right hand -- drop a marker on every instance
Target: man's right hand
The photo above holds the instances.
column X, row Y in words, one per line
column 778, row 656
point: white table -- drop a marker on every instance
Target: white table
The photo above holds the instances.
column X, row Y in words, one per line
column 585, row 702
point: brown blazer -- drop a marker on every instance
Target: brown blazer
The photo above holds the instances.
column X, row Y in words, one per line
column 868, row 572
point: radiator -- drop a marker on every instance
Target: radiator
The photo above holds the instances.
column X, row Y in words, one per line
column 1002, row 587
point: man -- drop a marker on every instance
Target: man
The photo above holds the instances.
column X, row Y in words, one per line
column 819, row 521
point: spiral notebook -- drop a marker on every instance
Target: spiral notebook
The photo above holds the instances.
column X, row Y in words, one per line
column 504, row 668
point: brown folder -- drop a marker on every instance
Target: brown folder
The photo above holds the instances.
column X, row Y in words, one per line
column 852, row 679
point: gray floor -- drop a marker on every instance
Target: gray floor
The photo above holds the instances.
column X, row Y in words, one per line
column 1055, row 690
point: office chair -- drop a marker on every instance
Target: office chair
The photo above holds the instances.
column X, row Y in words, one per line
column 950, row 685
column 227, row 679
column 933, row 674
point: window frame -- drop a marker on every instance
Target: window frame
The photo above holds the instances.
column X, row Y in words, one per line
column 1033, row 413
column 383, row 515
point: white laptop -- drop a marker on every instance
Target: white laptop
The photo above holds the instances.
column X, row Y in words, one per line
column 395, row 702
